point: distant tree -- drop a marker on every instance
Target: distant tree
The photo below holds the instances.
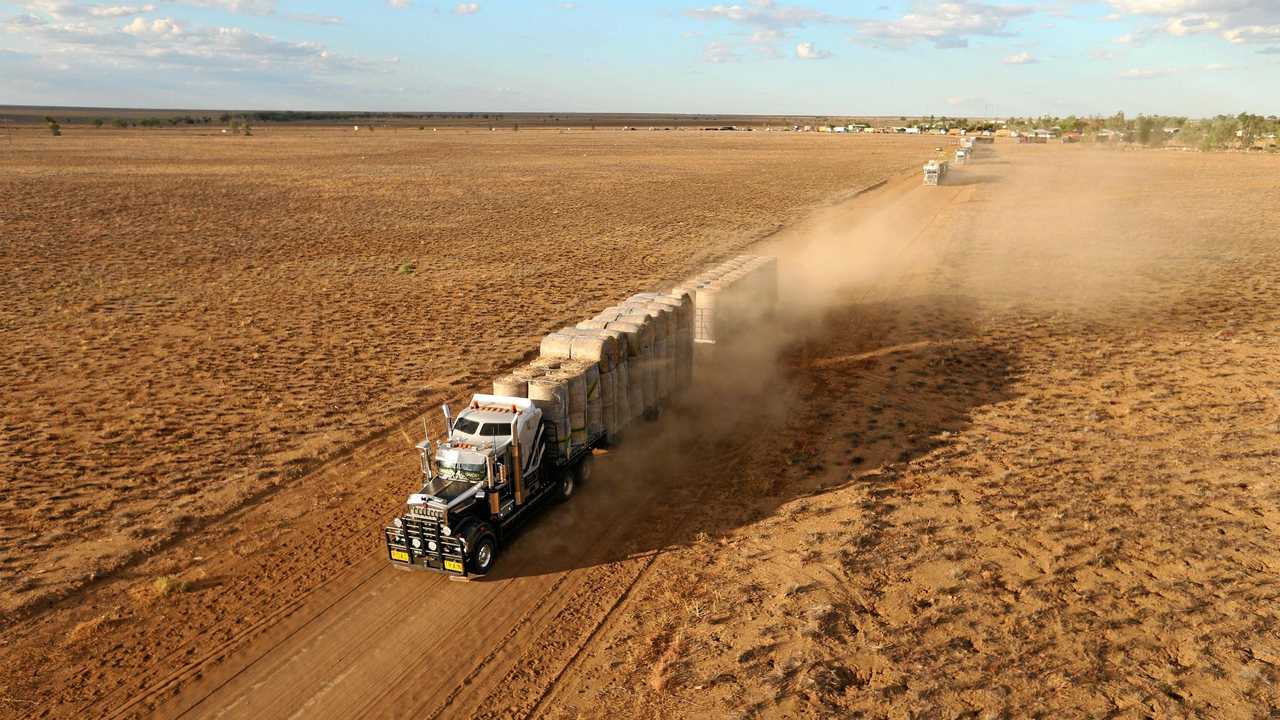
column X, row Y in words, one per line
column 120, row 123
column 54, row 128
column 1192, row 135
column 1147, row 130
column 1220, row 133
column 97, row 122
column 224, row 117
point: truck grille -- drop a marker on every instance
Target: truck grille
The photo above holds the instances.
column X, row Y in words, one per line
column 425, row 531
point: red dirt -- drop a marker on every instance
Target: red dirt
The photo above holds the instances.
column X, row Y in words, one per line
column 1018, row 457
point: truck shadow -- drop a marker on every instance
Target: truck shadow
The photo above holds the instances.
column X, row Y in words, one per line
column 806, row 411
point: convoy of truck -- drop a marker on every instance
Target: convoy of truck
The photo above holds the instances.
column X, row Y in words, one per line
column 531, row 442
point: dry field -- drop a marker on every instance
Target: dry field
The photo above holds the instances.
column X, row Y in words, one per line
column 190, row 319
column 1033, row 469
column 1019, row 458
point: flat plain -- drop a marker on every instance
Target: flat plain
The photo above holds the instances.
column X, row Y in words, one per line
column 189, row 317
column 1017, row 455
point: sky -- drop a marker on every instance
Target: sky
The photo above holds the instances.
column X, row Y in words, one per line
column 958, row 58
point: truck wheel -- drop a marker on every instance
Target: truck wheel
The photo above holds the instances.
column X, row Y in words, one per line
column 583, row 470
column 482, row 550
column 565, row 486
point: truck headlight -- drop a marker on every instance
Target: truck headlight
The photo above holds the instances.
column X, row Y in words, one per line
column 444, row 530
column 397, row 522
column 417, row 543
column 431, row 545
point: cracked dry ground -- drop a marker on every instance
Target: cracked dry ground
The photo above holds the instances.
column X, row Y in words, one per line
column 1033, row 471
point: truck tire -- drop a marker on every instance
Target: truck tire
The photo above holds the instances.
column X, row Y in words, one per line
column 582, row 473
column 482, row 549
column 566, row 484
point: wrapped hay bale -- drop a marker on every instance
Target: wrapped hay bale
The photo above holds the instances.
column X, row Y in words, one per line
column 556, row 345
column 632, row 368
column 664, row 344
column 574, row 378
column 551, row 395
column 601, row 347
column 642, row 366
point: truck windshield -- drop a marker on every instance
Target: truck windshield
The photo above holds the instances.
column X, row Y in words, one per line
column 461, row 471
column 496, row 430
column 465, row 425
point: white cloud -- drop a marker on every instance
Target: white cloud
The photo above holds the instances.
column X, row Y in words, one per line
column 466, row 8
column 165, row 43
column 568, row 6
column 399, row 4
column 1237, row 21
column 161, row 27
column 765, row 13
column 1191, row 25
column 315, row 19
column 1022, row 58
column 945, row 24
column 1145, row 73
column 807, row 51
column 718, row 51
column 62, row 9
column 245, row 7
column 1253, row 33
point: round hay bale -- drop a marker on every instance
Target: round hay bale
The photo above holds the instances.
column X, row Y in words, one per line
column 595, row 402
column 598, row 347
column 529, row 372
column 546, row 364
column 556, row 345
column 575, row 382
column 551, row 395
column 510, row 386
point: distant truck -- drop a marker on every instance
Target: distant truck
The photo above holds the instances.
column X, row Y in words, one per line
column 934, row 172
column 500, row 461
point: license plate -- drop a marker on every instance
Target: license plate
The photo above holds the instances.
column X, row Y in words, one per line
column 400, row 555
column 453, row 565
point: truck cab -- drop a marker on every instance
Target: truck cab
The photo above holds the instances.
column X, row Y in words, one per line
column 497, row 462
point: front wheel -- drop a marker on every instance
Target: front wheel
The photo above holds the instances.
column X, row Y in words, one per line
column 482, row 550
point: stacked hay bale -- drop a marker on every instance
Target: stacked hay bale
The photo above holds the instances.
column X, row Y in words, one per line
column 594, row 379
column 732, row 295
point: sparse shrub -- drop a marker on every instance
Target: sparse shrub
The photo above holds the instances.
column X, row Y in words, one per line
column 54, row 128
column 97, row 122
column 120, row 123
column 407, row 268
column 167, row 585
